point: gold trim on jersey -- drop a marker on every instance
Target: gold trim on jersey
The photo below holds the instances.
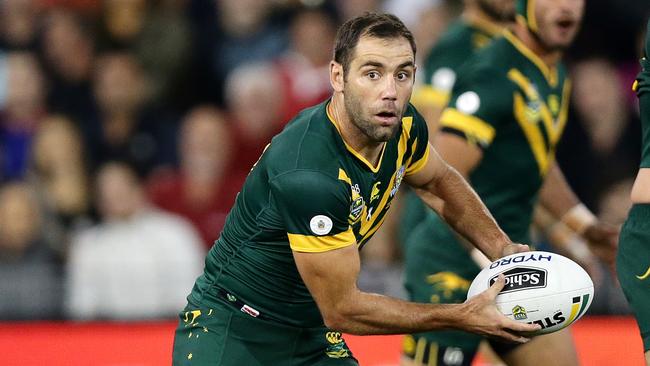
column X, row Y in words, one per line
column 550, row 74
column 471, row 125
column 374, row 169
column 317, row 244
column 554, row 127
column 532, row 132
column 344, row 176
column 413, row 168
column 426, row 95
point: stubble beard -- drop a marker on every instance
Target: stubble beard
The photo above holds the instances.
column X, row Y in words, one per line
column 355, row 113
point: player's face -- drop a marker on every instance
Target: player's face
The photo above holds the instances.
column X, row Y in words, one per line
column 500, row 10
column 558, row 21
column 378, row 85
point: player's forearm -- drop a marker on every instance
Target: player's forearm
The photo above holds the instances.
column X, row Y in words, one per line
column 369, row 313
column 556, row 196
column 464, row 211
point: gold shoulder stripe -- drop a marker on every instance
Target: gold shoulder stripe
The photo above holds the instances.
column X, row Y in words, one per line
column 635, row 86
column 317, row 244
column 471, row 125
column 418, row 165
column 427, row 95
column 344, row 176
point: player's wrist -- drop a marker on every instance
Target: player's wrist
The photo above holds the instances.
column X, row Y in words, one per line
column 579, row 219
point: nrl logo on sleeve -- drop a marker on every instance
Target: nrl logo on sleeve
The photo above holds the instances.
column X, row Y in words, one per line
column 357, row 205
column 520, row 278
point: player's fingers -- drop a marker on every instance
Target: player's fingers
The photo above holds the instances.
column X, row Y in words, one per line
column 515, row 338
column 498, row 285
column 518, row 327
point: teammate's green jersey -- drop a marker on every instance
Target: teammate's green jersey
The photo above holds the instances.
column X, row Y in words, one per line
column 309, row 192
column 455, row 46
column 508, row 102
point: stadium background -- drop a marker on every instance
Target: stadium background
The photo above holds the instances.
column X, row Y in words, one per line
column 127, row 127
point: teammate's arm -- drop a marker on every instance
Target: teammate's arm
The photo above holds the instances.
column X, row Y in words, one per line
column 331, row 279
column 557, row 197
column 444, row 189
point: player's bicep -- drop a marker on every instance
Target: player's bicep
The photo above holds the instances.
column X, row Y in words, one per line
column 330, row 277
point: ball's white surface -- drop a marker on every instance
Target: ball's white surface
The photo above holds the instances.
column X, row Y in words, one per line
column 541, row 287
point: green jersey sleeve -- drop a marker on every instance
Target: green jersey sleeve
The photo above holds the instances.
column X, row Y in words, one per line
column 315, row 209
column 476, row 107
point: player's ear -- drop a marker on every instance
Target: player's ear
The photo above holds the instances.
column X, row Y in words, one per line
column 336, row 76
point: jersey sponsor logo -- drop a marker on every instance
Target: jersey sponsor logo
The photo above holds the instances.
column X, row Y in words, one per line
column 521, row 259
column 468, row 102
column 321, row 225
column 333, row 337
column 520, row 278
column 398, row 181
column 443, row 79
column 519, row 313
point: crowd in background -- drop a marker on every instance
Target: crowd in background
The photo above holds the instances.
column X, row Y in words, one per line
column 128, row 126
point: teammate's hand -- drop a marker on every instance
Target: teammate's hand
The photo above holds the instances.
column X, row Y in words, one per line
column 603, row 241
column 481, row 316
column 513, row 248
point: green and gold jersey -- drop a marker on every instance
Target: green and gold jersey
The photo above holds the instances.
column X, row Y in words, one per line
column 309, row 192
column 508, row 102
column 457, row 45
column 642, row 88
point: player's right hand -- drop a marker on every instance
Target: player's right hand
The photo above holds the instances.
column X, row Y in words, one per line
column 481, row 316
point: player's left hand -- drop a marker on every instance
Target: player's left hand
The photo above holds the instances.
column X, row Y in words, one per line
column 603, row 241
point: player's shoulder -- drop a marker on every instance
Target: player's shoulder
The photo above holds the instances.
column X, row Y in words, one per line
column 308, row 143
column 453, row 47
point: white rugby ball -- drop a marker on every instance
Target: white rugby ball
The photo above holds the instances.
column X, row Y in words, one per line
column 541, row 287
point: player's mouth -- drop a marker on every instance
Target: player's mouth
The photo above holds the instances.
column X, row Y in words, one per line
column 566, row 24
column 387, row 118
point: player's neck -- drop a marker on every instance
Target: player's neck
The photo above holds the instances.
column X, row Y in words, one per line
column 351, row 134
column 549, row 57
column 477, row 17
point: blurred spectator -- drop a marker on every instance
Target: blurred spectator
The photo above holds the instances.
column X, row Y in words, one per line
column 139, row 263
column 121, row 23
column 67, row 49
column 30, row 272
column 352, row 8
column 255, row 103
column 243, row 31
column 204, row 187
column 58, row 173
column 126, row 128
column 23, row 109
column 304, row 68
column 18, row 24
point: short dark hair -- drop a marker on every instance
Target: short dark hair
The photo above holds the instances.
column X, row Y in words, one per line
column 377, row 25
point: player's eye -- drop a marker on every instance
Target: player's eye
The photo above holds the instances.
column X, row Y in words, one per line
column 373, row 75
column 403, row 75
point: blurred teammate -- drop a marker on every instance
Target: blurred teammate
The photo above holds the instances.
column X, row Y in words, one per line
column 507, row 111
column 632, row 262
column 280, row 282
